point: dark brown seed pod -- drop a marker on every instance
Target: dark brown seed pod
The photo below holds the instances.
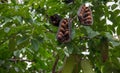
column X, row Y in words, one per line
column 85, row 15
column 104, row 47
column 68, row 1
column 55, row 19
column 4, row 1
column 64, row 31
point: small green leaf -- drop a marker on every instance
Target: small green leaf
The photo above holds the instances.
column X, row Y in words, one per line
column 7, row 29
column 16, row 69
column 16, row 53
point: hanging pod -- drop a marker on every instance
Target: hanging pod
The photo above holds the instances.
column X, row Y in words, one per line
column 55, row 19
column 85, row 15
column 64, row 31
column 68, row 1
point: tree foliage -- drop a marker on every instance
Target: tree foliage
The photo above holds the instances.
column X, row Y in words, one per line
column 28, row 40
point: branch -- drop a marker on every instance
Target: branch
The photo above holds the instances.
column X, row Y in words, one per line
column 55, row 64
column 88, row 38
column 21, row 60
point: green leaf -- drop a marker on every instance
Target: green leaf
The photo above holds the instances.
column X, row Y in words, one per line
column 111, row 39
column 35, row 44
column 115, row 43
column 109, row 35
column 7, row 29
column 114, row 6
column 16, row 53
column 86, row 66
column 90, row 32
column 69, row 64
column 21, row 40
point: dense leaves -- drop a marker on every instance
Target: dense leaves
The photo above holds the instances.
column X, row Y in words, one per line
column 28, row 40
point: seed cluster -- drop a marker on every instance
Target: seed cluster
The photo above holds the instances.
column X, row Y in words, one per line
column 85, row 15
column 64, row 31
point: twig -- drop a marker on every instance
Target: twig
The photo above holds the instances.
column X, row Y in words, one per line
column 73, row 18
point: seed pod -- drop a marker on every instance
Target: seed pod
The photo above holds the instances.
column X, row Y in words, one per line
column 55, row 19
column 68, row 1
column 104, row 48
column 64, row 31
column 85, row 15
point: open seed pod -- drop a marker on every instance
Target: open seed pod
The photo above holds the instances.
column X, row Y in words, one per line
column 85, row 15
column 64, row 31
